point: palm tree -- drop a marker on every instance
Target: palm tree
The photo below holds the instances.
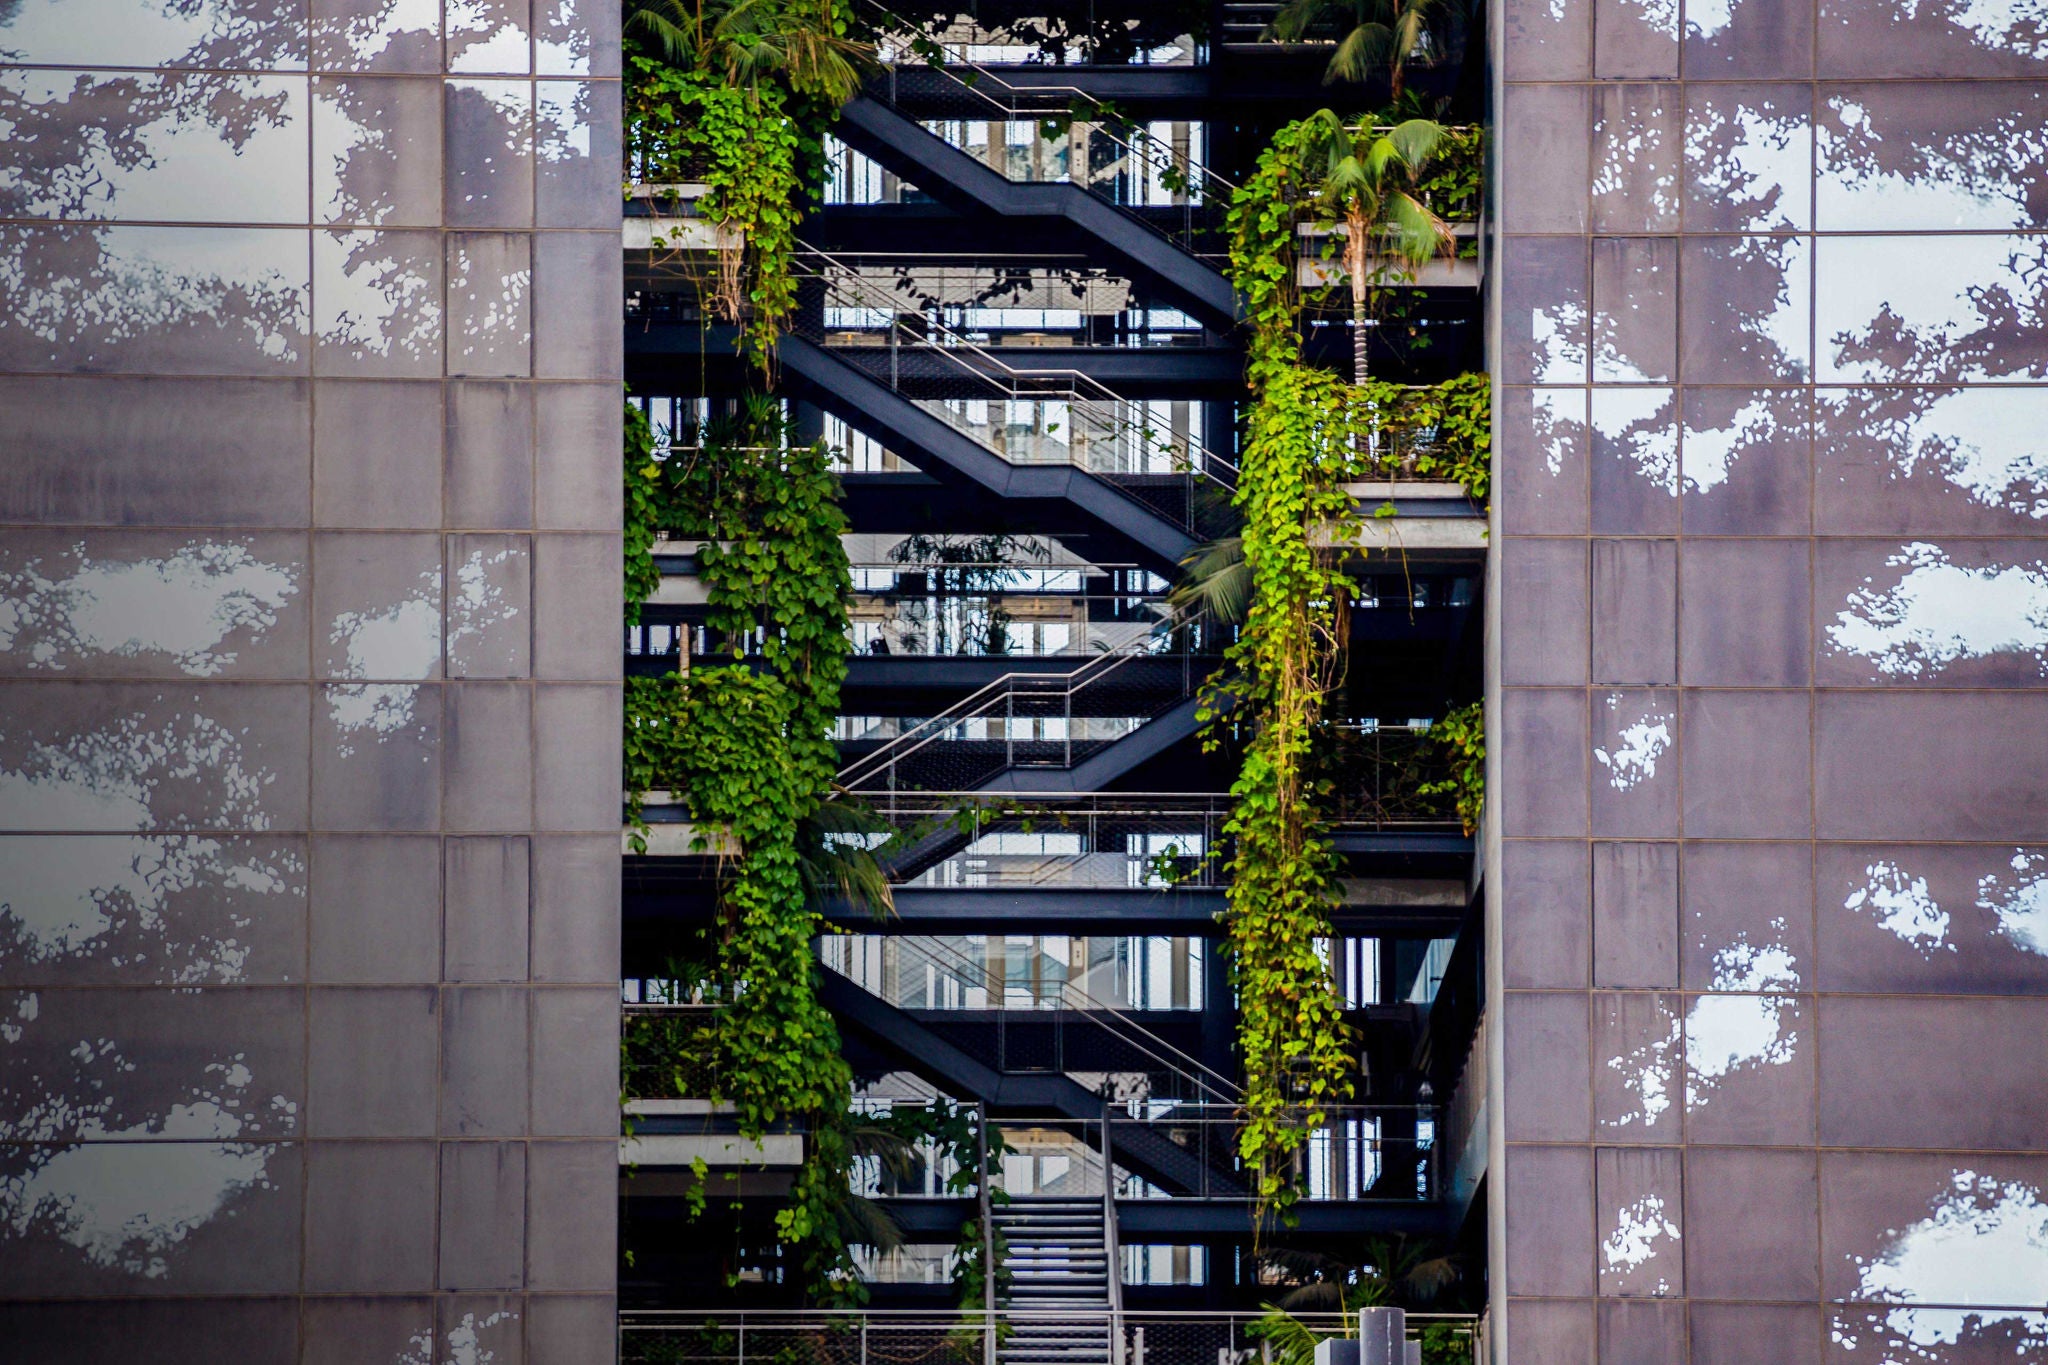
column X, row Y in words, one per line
column 1366, row 182
column 749, row 42
column 1382, row 34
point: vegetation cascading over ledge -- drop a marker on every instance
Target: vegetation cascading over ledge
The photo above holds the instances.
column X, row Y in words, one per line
column 1296, row 1049
column 1308, row 433
column 750, row 751
column 737, row 95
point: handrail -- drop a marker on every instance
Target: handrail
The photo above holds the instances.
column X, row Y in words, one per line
column 985, row 77
column 1204, row 1076
column 930, row 730
column 1084, row 386
column 1112, row 1256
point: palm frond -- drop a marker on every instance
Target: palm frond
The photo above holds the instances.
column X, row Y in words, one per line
column 1417, row 140
column 1418, row 234
column 1364, row 50
column 1293, row 1341
column 835, row 850
column 1217, row 582
column 896, row 1154
column 671, row 24
column 862, row 1220
column 1295, row 18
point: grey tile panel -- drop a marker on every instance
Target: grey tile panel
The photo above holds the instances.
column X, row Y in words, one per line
column 1788, row 333
column 273, row 912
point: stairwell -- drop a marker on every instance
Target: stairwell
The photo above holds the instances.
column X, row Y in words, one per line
column 1063, row 1289
column 966, row 185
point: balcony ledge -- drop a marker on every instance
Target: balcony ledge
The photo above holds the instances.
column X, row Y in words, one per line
column 713, row 1149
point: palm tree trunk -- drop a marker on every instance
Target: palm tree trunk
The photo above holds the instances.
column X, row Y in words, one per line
column 1354, row 265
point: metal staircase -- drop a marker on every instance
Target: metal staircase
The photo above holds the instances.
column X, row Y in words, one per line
column 1031, row 732
column 876, row 127
column 1064, row 1282
column 1151, row 1155
column 891, row 367
column 965, row 185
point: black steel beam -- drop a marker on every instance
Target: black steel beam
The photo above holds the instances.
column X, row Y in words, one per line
column 1070, row 910
column 1133, row 372
column 952, row 1069
column 962, row 183
column 897, row 673
column 827, row 380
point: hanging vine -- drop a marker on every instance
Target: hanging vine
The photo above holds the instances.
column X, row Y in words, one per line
column 751, row 752
column 1308, row 431
column 1296, row 1049
column 1462, row 733
column 737, row 95
column 642, row 512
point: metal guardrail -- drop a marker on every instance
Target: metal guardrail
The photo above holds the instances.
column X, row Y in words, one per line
column 983, row 374
column 1360, row 1154
column 988, row 91
column 1027, row 696
column 1115, row 1026
column 969, row 1336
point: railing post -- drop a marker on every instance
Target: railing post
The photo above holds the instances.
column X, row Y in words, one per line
column 1069, row 731
column 1112, row 1256
column 988, row 1238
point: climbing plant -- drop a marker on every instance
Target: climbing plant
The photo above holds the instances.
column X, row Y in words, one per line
column 737, row 95
column 749, row 748
column 1308, row 431
column 642, row 511
column 1434, row 431
column 1453, row 184
column 1462, row 733
column 1295, row 1047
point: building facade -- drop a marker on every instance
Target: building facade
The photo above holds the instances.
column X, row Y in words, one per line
column 1720, row 1043
column 308, row 768
column 1767, row 685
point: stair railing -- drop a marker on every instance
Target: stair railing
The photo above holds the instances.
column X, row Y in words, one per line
column 1206, row 1080
column 973, row 363
column 1001, row 695
column 1003, row 102
column 988, row 1235
column 1112, row 1257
